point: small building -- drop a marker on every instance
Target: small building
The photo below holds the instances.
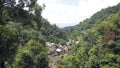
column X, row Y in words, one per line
column 59, row 51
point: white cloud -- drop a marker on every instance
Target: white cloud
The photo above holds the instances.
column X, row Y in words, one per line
column 67, row 15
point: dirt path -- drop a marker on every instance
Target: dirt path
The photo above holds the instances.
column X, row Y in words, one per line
column 53, row 61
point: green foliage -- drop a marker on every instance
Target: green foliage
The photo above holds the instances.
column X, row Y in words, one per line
column 23, row 34
column 99, row 39
column 21, row 21
column 13, row 4
column 8, row 44
column 24, row 60
column 33, row 55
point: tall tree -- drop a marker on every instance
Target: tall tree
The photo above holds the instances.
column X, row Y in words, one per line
column 14, row 3
column 8, row 36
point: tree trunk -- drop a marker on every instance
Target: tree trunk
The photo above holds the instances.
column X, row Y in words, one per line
column 2, row 64
column 1, row 10
column 1, row 23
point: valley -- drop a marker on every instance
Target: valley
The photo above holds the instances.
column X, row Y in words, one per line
column 28, row 40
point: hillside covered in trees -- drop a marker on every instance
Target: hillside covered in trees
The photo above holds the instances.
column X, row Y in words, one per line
column 26, row 38
column 99, row 41
column 23, row 34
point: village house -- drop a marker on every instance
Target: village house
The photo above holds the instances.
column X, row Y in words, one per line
column 60, row 49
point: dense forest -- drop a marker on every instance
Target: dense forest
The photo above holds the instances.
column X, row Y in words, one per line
column 99, row 41
column 24, row 34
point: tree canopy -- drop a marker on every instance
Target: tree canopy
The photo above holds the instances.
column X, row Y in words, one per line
column 24, row 33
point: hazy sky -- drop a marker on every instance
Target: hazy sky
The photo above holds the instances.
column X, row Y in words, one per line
column 71, row 12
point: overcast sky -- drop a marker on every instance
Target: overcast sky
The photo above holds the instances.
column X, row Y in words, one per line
column 71, row 12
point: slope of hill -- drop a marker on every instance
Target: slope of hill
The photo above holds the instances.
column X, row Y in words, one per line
column 23, row 35
column 90, row 22
column 99, row 41
column 33, row 25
